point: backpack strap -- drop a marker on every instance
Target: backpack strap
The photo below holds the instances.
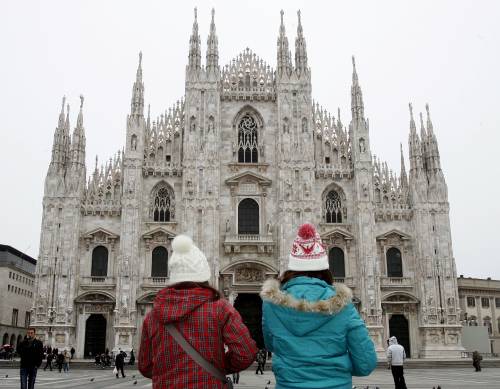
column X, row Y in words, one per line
column 196, row 356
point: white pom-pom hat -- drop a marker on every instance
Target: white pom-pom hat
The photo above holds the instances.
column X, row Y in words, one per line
column 187, row 263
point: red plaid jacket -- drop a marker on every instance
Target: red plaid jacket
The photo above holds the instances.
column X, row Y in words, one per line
column 207, row 325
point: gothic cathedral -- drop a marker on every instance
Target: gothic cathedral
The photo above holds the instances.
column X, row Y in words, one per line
column 239, row 163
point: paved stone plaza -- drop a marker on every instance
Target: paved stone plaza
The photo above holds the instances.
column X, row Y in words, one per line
column 415, row 379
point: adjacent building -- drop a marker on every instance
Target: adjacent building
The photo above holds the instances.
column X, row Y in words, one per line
column 480, row 306
column 238, row 163
column 17, row 285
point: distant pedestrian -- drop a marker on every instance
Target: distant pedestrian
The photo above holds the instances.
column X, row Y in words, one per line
column 261, row 361
column 31, row 352
column 190, row 309
column 119, row 362
column 236, row 377
column 132, row 358
column 395, row 358
column 72, row 351
column 314, row 331
column 60, row 361
column 48, row 363
column 65, row 361
column 476, row 360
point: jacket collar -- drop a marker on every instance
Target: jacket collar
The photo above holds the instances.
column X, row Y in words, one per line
column 272, row 292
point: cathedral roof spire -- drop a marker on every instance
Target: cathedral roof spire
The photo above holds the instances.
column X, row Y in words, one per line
column 404, row 177
column 423, row 134
column 212, row 47
column 78, row 143
column 137, row 104
column 430, row 128
column 300, row 48
column 357, row 106
column 79, row 121
column 413, row 128
column 284, row 62
column 195, row 45
column 61, row 115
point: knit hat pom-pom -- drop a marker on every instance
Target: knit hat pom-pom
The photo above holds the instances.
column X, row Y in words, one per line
column 182, row 244
column 307, row 231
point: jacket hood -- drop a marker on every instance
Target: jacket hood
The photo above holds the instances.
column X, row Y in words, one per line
column 393, row 340
column 172, row 305
column 314, row 298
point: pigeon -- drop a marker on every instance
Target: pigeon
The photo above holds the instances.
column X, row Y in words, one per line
column 91, row 380
column 135, row 382
column 268, row 382
column 6, row 376
column 133, row 376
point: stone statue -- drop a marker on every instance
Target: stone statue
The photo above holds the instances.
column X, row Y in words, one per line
column 362, row 147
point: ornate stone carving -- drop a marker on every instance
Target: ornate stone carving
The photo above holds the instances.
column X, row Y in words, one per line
column 248, row 274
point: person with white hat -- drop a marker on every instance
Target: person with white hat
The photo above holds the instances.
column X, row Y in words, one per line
column 312, row 328
column 183, row 337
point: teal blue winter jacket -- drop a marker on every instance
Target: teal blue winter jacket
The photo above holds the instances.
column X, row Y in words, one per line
column 316, row 335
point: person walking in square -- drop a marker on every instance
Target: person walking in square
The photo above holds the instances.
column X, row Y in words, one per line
column 120, row 363
column 395, row 358
column 31, row 352
column 196, row 313
column 261, row 360
column 48, row 363
column 315, row 333
column 60, row 361
column 65, row 361
column 132, row 358
column 72, row 351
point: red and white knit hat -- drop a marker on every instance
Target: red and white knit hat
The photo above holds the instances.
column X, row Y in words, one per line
column 308, row 252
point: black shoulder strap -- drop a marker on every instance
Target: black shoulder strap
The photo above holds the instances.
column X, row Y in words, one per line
column 196, row 356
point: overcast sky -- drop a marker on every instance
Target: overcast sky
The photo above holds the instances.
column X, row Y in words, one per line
column 446, row 53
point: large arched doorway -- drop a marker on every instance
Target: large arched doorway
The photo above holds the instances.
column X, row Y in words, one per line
column 95, row 335
column 398, row 327
column 12, row 340
column 249, row 305
column 5, row 338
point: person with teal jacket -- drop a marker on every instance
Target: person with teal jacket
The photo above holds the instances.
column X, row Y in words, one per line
column 315, row 333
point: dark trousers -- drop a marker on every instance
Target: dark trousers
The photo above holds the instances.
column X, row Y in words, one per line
column 120, row 369
column 399, row 379
column 260, row 367
column 48, row 364
column 236, row 378
column 477, row 365
column 28, row 376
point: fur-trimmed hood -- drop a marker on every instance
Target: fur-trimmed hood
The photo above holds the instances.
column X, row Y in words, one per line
column 271, row 291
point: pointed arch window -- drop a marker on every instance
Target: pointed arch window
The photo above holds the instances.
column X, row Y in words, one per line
column 248, row 217
column 394, row 263
column 99, row 262
column 336, row 261
column 162, row 204
column 159, row 262
column 333, row 207
column 247, row 140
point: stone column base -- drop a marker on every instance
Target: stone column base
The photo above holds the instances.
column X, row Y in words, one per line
column 377, row 335
column 441, row 342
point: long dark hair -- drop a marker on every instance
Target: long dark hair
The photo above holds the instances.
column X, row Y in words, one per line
column 324, row 275
column 192, row 284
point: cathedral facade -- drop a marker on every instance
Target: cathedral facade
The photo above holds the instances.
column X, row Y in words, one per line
column 239, row 163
